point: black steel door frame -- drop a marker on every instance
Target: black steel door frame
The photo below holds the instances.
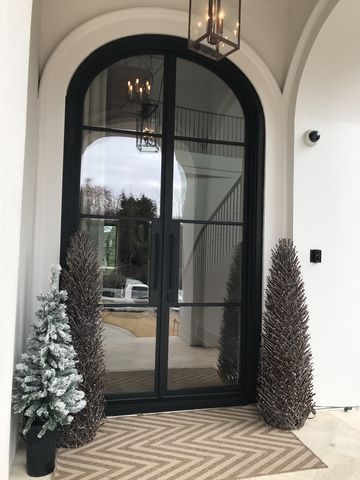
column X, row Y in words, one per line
column 165, row 231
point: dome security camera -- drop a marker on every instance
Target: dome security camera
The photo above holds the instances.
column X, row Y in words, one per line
column 311, row 137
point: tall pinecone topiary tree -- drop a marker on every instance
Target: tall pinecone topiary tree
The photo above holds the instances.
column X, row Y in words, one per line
column 285, row 389
column 229, row 348
column 83, row 282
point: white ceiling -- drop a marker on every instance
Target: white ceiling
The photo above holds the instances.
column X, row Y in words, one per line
column 271, row 27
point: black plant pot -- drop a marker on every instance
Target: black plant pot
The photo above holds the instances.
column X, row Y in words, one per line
column 40, row 452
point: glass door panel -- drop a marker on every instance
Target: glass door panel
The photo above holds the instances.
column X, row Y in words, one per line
column 206, row 228
column 127, row 256
column 109, row 164
column 124, row 249
column 205, row 107
column 208, row 181
column 204, row 347
column 121, row 95
column 209, row 255
column 130, row 346
column 120, row 192
column 206, row 331
column 167, row 224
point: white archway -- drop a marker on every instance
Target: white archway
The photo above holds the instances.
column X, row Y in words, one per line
column 306, row 41
column 54, row 83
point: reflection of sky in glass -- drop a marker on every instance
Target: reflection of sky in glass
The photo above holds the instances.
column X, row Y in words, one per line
column 116, row 163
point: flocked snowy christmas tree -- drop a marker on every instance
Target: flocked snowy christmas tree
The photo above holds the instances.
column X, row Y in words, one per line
column 285, row 390
column 46, row 381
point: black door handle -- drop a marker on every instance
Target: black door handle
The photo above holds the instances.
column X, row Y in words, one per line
column 171, row 255
column 173, row 259
column 156, row 261
column 155, row 270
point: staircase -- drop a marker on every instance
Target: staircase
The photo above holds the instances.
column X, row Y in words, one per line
column 215, row 241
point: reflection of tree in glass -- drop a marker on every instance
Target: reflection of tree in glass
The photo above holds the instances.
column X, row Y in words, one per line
column 228, row 360
column 133, row 236
column 130, row 206
column 125, row 242
column 97, row 199
column 109, row 245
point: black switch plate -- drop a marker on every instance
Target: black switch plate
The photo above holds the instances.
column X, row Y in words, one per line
column 315, row 256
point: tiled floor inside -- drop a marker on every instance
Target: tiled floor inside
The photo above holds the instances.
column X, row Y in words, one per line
column 332, row 435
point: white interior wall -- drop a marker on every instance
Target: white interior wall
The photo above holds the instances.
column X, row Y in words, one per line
column 17, row 99
column 326, row 202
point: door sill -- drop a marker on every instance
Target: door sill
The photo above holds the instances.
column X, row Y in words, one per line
column 151, row 405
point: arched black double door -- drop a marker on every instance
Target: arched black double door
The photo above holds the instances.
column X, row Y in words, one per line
column 163, row 167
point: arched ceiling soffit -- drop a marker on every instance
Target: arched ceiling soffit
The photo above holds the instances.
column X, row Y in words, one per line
column 310, row 32
column 271, row 27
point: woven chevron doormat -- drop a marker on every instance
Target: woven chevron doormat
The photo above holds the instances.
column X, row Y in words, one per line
column 215, row 444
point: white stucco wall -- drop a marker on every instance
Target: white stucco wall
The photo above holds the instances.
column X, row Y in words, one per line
column 15, row 25
column 24, row 299
column 326, row 202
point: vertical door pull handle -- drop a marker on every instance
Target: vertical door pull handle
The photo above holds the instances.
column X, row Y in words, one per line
column 171, row 260
column 156, row 261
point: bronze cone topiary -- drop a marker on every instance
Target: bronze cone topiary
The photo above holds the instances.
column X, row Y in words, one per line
column 83, row 281
column 285, row 383
column 229, row 348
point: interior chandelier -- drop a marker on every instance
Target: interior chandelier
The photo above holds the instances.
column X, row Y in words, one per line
column 138, row 89
column 144, row 87
column 214, row 27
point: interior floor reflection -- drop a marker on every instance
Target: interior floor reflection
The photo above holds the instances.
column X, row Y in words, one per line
column 129, row 342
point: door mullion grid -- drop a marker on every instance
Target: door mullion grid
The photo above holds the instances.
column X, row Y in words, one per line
column 166, row 193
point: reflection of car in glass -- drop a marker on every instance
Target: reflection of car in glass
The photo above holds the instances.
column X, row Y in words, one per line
column 180, row 300
column 133, row 292
column 137, row 293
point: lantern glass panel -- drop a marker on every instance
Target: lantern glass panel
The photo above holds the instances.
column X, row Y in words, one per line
column 214, row 27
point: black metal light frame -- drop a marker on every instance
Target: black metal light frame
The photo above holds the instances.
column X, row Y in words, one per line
column 147, row 126
column 215, row 31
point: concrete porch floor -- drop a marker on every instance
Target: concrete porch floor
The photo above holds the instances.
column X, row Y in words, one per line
column 332, row 435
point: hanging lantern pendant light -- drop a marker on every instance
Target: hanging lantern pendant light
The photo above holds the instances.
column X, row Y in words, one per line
column 215, row 27
column 218, row 34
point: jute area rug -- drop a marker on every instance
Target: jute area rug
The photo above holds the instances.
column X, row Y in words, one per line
column 214, row 444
